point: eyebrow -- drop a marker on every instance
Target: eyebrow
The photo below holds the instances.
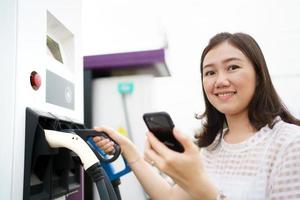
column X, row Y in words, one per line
column 224, row 61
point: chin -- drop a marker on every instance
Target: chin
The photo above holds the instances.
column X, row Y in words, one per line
column 232, row 112
column 228, row 111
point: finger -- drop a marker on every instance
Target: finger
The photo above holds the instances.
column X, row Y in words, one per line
column 147, row 145
column 185, row 141
column 109, row 131
column 107, row 146
column 147, row 148
column 152, row 157
column 158, row 146
column 102, row 143
column 97, row 139
column 110, row 150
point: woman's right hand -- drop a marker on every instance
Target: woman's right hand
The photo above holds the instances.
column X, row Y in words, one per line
column 128, row 149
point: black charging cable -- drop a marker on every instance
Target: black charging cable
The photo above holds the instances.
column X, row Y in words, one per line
column 104, row 187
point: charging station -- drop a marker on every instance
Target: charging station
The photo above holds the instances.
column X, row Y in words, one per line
column 42, row 82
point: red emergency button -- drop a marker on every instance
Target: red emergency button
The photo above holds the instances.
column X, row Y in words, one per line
column 35, row 80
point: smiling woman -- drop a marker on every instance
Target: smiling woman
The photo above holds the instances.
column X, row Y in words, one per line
column 250, row 137
column 250, row 142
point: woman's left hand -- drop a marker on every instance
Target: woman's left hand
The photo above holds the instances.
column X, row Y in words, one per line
column 186, row 168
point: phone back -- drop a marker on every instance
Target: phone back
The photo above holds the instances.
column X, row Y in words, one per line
column 161, row 125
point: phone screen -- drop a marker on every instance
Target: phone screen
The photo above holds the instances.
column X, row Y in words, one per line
column 161, row 125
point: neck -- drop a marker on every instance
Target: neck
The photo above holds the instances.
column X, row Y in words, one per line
column 239, row 128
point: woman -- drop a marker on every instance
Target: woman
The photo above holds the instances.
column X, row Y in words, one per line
column 250, row 142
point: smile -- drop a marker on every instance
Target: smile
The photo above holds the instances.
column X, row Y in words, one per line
column 225, row 95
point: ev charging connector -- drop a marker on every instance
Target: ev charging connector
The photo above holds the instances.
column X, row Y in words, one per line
column 58, row 139
column 91, row 164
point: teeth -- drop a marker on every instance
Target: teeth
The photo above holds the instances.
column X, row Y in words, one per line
column 225, row 94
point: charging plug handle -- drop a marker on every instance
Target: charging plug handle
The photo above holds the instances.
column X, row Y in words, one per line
column 57, row 139
column 85, row 134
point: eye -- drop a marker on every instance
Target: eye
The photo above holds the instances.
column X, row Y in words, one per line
column 209, row 73
column 233, row 67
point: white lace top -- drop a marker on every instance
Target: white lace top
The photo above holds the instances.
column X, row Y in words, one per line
column 264, row 167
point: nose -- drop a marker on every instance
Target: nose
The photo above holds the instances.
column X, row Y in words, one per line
column 222, row 81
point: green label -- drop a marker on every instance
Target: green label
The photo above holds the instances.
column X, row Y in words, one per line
column 125, row 87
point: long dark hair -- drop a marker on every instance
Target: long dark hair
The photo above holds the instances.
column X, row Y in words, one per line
column 265, row 104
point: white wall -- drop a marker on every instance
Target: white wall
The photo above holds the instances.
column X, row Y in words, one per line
column 120, row 26
column 128, row 25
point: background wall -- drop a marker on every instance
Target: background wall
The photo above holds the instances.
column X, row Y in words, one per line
column 184, row 28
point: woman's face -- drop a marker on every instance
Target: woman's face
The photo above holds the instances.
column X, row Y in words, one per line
column 228, row 79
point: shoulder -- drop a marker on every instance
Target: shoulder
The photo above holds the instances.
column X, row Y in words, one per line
column 286, row 138
column 285, row 132
column 285, row 172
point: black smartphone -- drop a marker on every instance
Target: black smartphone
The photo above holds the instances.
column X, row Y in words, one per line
column 161, row 125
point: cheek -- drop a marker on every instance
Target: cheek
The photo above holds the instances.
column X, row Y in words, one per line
column 247, row 83
column 207, row 85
